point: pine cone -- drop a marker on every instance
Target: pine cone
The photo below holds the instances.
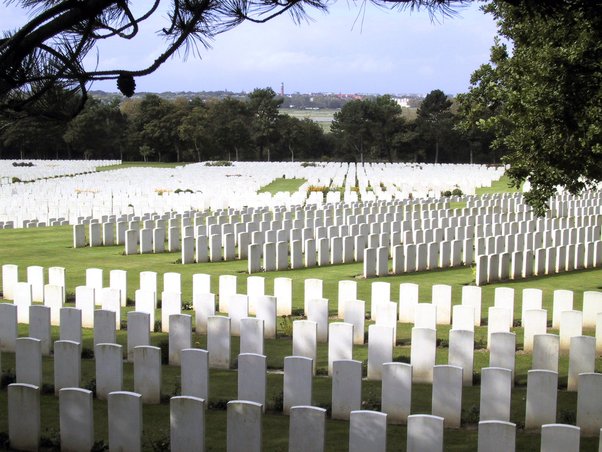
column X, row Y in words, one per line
column 126, row 84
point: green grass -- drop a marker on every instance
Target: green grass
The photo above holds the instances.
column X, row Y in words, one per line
column 282, row 184
column 499, row 186
column 52, row 246
column 140, row 165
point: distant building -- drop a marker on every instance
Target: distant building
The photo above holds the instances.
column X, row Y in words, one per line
column 403, row 102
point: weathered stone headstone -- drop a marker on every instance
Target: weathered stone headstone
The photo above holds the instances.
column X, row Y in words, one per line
column 147, row 373
column 367, row 431
column 297, row 386
column 251, row 335
column 589, row 403
column 496, row 388
column 187, row 423
column 542, row 390
column 39, row 327
column 582, row 359
column 396, row 391
column 447, row 394
column 560, row 438
column 24, row 419
column 109, row 369
column 422, row 357
column 28, row 361
column 346, row 388
column 495, row 434
column 76, row 419
column 461, row 353
column 218, row 342
column 380, row 349
column 562, row 301
column 125, row 421
column 180, row 336
column 408, row 299
column 355, row 314
column 67, row 365
column 304, row 419
column 195, row 373
column 104, row 327
column 571, row 324
column 425, row 433
column 244, row 426
column 545, row 352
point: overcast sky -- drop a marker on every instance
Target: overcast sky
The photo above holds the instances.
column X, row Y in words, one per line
column 347, row 50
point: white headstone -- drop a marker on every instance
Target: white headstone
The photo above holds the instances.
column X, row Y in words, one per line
column 304, row 419
column 67, row 365
column 147, row 373
column 109, row 369
column 244, row 428
column 367, row 431
column 447, row 394
column 346, row 388
column 24, row 419
column 218, row 342
column 425, row 433
column 298, row 374
column 423, row 349
column 76, row 419
column 125, row 421
column 542, row 390
column 496, row 389
column 589, row 403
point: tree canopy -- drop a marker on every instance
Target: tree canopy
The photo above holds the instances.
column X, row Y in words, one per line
column 541, row 95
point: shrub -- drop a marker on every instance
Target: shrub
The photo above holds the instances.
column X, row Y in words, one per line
column 219, row 163
column 446, row 193
column 306, row 164
column 457, row 192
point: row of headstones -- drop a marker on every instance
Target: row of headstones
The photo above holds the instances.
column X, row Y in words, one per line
column 496, row 381
column 489, row 224
column 87, row 297
column 346, row 396
column 306, row 335
column 523, row 241
column 543, row 261
column 367, row 429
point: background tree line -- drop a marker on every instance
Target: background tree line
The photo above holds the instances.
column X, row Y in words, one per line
column 156, row 129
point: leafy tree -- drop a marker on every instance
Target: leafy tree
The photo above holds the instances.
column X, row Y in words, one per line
column 229, row 122
column 300, row 139
column 264, row 106
column 352, row 130
column 193, row 130
column 371, row 127
column 99, row 131
column 541, row 97
column 434, row 119
column 48, row 52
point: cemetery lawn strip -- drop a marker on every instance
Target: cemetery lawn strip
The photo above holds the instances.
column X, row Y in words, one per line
column 52, row 246
column 282, row 184
column 140, row 165
column 499, row 186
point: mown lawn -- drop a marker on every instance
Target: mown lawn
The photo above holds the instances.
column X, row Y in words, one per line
column 52, row 247
column 282, row 184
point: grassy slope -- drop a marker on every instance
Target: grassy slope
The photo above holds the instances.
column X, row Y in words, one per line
column 140, row 165
column 52, row 246
column 290, row 185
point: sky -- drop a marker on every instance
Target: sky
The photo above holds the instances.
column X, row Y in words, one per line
column 347, row 50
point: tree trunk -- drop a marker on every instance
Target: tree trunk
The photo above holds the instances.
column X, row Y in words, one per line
column 437, row 150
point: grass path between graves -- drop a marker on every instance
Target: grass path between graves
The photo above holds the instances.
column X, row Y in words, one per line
column 52, row 247
column 140, row 165
column 502, row 185
column 282, row 184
